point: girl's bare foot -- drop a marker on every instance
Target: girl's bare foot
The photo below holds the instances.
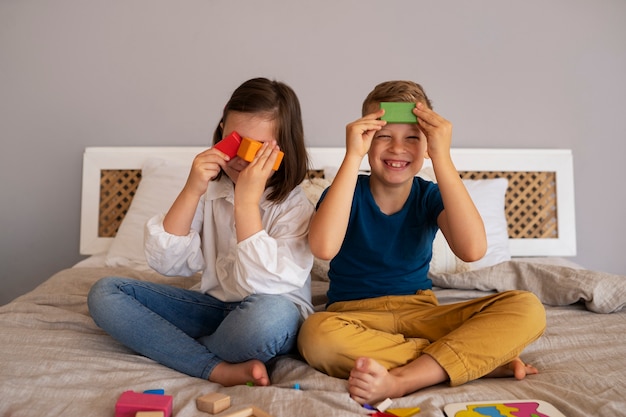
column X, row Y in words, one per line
column 229, row 374
column 515, row 368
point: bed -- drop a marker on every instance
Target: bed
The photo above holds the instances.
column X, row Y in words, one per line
column 55, row 361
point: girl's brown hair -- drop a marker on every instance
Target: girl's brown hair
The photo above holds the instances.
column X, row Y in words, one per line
column 395, row 91
column 280, row 103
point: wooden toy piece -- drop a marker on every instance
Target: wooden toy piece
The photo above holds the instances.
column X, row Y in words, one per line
column 398, row 112
column 213, row 402
column 248, row 412
column 249, row 148
column 383, row 405
column 150, row 414
column 159, row 391
column 230, row 144
column 130, row 402
column 403, row 412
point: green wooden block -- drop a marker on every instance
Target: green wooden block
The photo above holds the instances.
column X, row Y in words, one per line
column 398, row 112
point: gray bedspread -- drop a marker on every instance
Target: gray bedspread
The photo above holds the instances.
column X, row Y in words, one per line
column 55, row 361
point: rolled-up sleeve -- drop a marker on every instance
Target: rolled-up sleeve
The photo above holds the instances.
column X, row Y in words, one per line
column 170, row 254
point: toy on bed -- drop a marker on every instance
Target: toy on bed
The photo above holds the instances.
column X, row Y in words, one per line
column 245, row 148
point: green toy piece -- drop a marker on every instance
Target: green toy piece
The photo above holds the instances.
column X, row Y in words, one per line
column 398, row 112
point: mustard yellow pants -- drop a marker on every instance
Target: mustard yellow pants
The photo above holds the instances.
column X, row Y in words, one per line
column 468, row 339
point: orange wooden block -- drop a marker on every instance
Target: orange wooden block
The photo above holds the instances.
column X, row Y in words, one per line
column 213, row 402
column 248, row 149
column 150, row 414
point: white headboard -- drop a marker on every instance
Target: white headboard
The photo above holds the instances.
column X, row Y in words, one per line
column 557, row 161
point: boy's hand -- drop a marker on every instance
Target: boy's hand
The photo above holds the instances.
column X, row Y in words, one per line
column 204, row 168
column 438, row 131
column 253, row 178
column 359, row 134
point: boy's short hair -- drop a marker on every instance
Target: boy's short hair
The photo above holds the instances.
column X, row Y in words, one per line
column 395, row 91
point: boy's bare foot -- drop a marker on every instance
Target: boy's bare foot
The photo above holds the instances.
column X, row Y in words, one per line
column 229, row 374
column 515, row 368
column 370, row 382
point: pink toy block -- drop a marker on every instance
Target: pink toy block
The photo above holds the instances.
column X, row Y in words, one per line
column 230, row 144
column 131, row 402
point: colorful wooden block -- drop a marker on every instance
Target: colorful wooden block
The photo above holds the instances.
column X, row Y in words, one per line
column 159, row 391
column 403, row 412
column 213, row 402
column 383, row 405
column 249, row 148
column 130, row 402
column 230, row 144
column 398, row 112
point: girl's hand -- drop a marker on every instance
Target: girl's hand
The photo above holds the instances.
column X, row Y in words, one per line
column 204, row 168
column 253, row 178
column 438, row 131
column 359, row 134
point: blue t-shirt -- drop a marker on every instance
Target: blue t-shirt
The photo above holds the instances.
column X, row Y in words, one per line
column 386, row 254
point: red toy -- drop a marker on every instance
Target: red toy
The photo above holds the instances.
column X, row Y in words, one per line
column 131, row 402
column 245, row 148
column 230, row 144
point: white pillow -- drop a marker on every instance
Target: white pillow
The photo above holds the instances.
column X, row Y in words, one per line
column 161, row 182
column 488, row 196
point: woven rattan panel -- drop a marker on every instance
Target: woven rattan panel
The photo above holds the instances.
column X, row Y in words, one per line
column 117, row 189
column 530, row 202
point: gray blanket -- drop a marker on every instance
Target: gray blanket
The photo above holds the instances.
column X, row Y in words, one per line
column 55, row 361
column 554, row 285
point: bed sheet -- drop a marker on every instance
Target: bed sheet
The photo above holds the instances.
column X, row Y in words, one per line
column 55, row 361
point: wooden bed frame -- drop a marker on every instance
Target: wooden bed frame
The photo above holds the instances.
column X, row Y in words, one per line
column 539, row 204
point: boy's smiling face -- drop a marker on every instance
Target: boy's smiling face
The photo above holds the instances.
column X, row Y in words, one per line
column 397, row 153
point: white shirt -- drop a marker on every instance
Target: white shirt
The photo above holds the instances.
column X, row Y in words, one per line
column 275, row 260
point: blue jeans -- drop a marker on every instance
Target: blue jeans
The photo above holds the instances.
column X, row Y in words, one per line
column 189, row 331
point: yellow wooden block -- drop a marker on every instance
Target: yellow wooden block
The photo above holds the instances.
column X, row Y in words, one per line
column 213, row 402
column 403, row 412
column 248, row 149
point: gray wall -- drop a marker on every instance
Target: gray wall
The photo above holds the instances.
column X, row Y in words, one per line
column 75, row 73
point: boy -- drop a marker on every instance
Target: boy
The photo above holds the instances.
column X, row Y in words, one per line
column 383, row 328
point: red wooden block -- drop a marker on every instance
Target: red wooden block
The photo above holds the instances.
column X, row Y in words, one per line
column 230, row 144
column 130, row 402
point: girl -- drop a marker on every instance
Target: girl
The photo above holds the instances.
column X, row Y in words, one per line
column 245, row 226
